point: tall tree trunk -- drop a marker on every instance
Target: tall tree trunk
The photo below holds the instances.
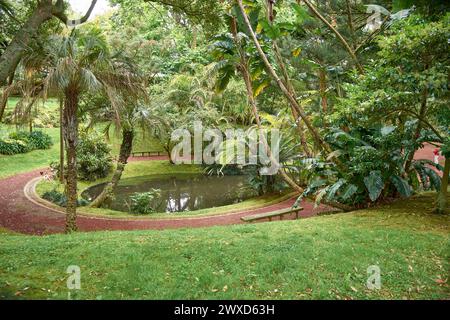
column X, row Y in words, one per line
column 5, row 97
column 350, row 23
column 3, row 103
column 442, row 202
column 243, row 69
column 125, row 152
column 291, row 90
column 323, row 90
column 422, row 114
column 61, row 141
column 16, row 49
column 71, row 141
column 248, row 83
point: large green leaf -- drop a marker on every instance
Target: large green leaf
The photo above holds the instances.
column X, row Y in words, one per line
column 335, row 188
column 402, row 186
column 388, row 130
column 259, row 87
column 224, row 78
column 420, row 169
column 374, row 184
column 402, row 4
column 349, row 191
column 302, row 14
column 320, row 195
column 435, row 179
column 270, row 30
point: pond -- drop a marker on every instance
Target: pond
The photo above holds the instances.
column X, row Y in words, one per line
column 181, row 193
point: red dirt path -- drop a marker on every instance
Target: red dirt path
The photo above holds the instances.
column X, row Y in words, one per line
column 18, row 213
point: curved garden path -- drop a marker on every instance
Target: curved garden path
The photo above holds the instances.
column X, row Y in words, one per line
column 20, row 214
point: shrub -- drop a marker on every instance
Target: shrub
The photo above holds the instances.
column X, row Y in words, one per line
column 144, row 203
column 60, row 199
column 22, row 142
column 93, row 157
column 39, row 140
column 21, row 135
column 11, row 147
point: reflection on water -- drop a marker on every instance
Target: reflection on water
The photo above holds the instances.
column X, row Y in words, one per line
column 181, row 193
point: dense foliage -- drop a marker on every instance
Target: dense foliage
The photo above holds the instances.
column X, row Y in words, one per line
column 94, row 158
column 145, row 202
column 60, row 199
column 23, row 142
column 355, row 95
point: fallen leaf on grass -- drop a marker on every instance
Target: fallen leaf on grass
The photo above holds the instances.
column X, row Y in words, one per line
column 440, row 281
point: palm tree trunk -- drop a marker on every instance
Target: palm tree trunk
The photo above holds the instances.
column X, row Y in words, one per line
column 323, row 90
column 71, row 140
column 422, row 113
column 442, row 202
column 61, row 141
column 3, row 104
column 5, row 97
column 125, row 152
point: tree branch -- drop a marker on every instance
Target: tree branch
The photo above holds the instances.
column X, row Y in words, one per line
column 337, row 33
column 292, row 100
column 59, row 12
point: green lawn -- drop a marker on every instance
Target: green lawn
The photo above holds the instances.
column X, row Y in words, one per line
column 324, row 257
column 20, row 163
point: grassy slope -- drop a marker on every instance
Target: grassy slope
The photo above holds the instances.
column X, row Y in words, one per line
column 322, row 257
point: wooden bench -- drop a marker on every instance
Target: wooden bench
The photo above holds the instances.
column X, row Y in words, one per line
column 148, row 153
column 270, row 215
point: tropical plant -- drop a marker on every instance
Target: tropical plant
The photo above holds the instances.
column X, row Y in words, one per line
column 60, row 199
column 43, row 11
column 375, row 162
column 36, row 140
column 11, row 147
column 94, row 160
column 144, row 203
column 79, row 63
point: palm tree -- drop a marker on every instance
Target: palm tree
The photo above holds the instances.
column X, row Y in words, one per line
column 76, row 64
